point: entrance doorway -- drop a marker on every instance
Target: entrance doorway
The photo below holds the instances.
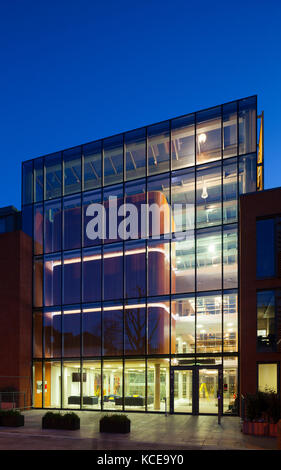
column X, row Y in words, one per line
column 195, row 389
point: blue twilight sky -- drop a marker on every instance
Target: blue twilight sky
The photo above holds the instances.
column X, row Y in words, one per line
column 77, row 70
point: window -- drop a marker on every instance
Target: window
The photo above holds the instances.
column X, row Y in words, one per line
column 230, row 130
column 265, row 246
column 113, row 160
column 266, row 321
column 91, row 330
column 183, row 325
column 134, row 327
column 38, row 180
column 92, row 165
column 53, row 176
column 183, row 142
column 72, row 170
column 208, row 135
column 267, row 377
column 158, row 148
column 135, row 154
column 247, row 125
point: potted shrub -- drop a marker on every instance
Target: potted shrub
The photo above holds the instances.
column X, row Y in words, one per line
column 12, row 418
column 68, row 421
column 115, row 424
column 262, row 414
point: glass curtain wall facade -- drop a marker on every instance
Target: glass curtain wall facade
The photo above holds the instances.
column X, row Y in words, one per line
column 141, row 324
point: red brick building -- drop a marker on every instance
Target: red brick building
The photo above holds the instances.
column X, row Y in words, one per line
column 260, row 288
column 15, row 311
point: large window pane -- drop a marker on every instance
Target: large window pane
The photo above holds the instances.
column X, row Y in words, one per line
column 209, row 259
column 52, row 226
column 247, row 125
column 72, row 170
column 208, row 195
column 113, row 271
column 230, row 191
column 158, row 148
column 158, row 269
column 71, row 222
column 158, row 198
column 113, row 160
column 209, row 323
column 71, row 277
column 134, row 396
column 38, row 180
column 135, row 154
column 158, row 385
column 90, row 238
column 72, row 384
column 134, row 199
column 52, row 333
column 183, row 264
column 71, row 331
column 52, row 373
column 92, row 274
column 230, row 130
column 247, row 174
column 92, row 385
column 53, row 176
column 267, row 378
column 113, row 329
column 230, row 385
column 113, row 385
column 91, row 328
column 158, row 326
column 182, row 200
column 92, row 165
column 135, row 269
column 112, row 200
column 183, row 325
column 230, row 256
column 230, row 321
column 134, row 327
column 265, row 230
column 52, row 280
column 37, row 385
column 183, row 142
column 208, row 135
column 27, row 182
column 266, row 321
column 38, row 229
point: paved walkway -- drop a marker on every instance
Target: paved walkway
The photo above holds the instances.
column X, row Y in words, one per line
column 148, row 432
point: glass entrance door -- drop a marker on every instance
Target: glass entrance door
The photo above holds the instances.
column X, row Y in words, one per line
column 183, row 391
column 195, row 389
column 208, row 386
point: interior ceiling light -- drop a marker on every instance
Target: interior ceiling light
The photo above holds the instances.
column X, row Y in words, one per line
column 204, row 194
column 211, row 248
column 202, row 138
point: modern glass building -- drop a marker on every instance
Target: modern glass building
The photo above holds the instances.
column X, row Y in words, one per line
column 141, row 323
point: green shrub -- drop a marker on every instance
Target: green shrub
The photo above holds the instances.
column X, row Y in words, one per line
column 11, row 412
column 115, row 418
column 69, row 417
column 263, row 406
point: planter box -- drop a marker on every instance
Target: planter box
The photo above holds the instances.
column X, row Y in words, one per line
column 12, row 421
column 113, row 427
column 256, row 428
column 52, row 423
column 272, row 429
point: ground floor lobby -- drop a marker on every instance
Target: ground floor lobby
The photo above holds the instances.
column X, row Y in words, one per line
column 148, row 432
column 152, row 385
